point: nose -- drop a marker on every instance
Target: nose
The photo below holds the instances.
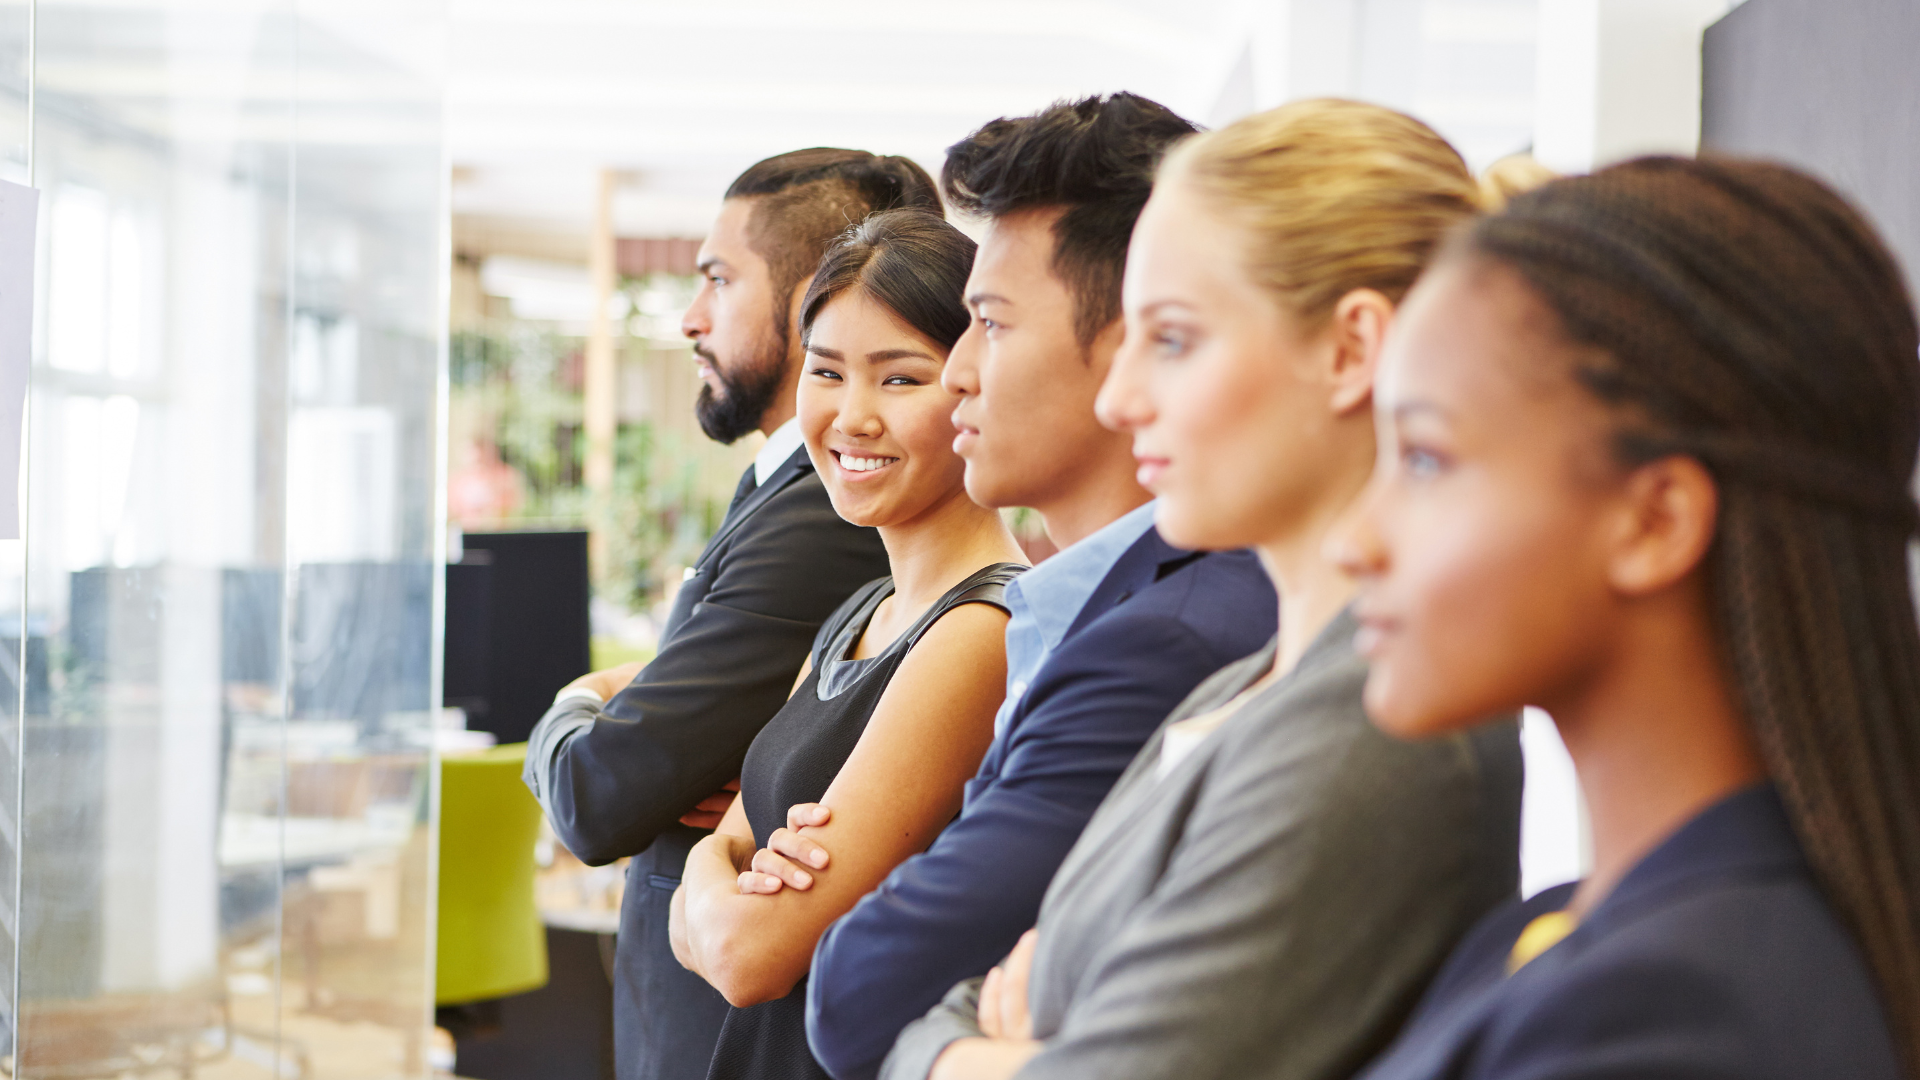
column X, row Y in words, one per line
column 698, row 321
column 961, row 375
column 1357, row 543
column 1125, row 402
column 858, row 418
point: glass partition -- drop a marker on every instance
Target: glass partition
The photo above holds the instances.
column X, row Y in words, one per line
column 224, row 674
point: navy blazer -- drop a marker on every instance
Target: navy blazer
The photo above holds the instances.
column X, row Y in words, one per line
column 1160, row 622
column 1716, row 957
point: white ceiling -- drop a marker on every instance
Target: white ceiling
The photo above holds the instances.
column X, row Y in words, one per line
column 680, row 95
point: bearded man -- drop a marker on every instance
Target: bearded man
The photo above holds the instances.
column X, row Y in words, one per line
column 641, row 760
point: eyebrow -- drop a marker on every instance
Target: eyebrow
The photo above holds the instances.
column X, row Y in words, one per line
column 1417, row 407
column 979, row 298
column 709, row 263
column 1151, row 308
column 878, row 357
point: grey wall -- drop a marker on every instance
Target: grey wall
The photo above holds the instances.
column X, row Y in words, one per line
column 1832, row 86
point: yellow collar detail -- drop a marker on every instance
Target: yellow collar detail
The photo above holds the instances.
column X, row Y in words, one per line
column 1540, row 935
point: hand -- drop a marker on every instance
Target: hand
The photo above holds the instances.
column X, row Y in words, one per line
column 706, row 813
column 779, row 864
column 1009, row 1042
column 1003, row 996
column 609, row 682
column 677, row 931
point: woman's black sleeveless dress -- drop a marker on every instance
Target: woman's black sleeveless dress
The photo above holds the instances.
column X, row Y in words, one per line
column 792, row 760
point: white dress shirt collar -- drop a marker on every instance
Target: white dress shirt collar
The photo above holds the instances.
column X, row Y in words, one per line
column 780, row 446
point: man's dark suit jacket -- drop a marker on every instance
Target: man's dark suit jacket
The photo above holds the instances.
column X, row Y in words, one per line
column 616, row 781
column 1717, row 957
column 1161, row 621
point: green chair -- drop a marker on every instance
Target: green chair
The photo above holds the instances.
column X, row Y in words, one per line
column 491, row 940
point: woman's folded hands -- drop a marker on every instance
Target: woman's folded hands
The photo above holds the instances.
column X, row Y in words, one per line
column 790, row 857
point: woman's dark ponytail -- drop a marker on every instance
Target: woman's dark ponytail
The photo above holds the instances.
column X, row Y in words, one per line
column 1748, row 317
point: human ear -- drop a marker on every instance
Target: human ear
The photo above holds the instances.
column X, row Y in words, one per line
column 1359, row 328
column 1670, row 509
column 797, row 349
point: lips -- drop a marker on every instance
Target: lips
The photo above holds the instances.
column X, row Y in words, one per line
column 965, row 434
column 1149, row 470
column 1373, row 633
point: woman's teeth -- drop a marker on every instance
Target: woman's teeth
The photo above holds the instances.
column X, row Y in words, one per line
column 865, row 464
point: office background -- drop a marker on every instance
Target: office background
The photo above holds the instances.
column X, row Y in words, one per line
column 328, row 294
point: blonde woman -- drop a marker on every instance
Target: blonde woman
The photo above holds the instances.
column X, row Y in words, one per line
column 1272, row 883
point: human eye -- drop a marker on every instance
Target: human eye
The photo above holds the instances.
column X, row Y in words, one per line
column 825, row 373
column 1422, row 463
column 901, row 380
column 1171, row 342
column 716, row 280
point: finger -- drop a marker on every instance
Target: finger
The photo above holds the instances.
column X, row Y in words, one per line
column 798, row 848
column 774, row 865
column 717, row 802
column 989, row 1011
column 1014, row 1018
column 758, row 884
column 801, row 815
column 702, row 819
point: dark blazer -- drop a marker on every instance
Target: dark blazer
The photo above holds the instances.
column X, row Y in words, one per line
column 1160, row 621
column 615, row 781
column 1715, row 958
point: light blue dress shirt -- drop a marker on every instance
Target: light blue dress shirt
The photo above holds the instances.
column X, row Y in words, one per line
column 1043, row 603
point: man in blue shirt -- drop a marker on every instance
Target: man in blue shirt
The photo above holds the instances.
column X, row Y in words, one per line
column 1105, row 638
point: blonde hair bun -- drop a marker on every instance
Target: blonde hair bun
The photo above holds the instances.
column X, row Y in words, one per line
column 1332, row 195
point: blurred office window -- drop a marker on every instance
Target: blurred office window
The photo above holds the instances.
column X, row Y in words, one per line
column 217, row 642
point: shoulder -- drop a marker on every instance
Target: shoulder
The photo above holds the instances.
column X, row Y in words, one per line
column 977, row 625
column 793, row 556
column 1209, row 593
column 963, row 651
column 1310, row 744
column 1751, row 976
column 799, row 521
column 1208, row 613
column 1766, row 937
column 1235, row 577
column 801, row 501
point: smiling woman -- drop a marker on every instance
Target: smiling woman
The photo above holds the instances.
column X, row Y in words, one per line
column 896, row 704
column 877, row 323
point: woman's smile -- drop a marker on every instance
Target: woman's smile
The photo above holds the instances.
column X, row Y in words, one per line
column 859, row 467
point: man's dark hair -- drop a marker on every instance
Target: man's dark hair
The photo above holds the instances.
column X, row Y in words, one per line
column 910, row 262
column 1094, row 157
column 807, row 198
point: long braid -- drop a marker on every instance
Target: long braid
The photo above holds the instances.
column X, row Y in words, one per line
column 1743, row 314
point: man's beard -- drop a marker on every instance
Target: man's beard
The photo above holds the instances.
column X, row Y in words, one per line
column 749, row 387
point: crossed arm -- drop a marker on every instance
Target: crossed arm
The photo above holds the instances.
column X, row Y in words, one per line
column 898, row 788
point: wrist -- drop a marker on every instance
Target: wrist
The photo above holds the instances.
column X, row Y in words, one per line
column 714, row 861
column 579, row 690
column 982, row 1059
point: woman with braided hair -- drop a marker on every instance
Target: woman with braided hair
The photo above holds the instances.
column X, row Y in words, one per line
column 1646, row 445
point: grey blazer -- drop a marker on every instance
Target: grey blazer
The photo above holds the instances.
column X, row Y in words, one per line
column 1275, row 905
